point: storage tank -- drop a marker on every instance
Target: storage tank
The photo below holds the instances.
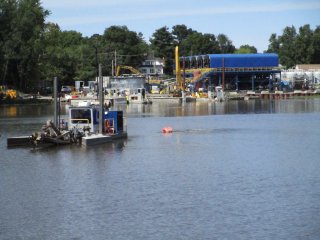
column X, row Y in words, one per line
column 316, row 77
column 291, row 75
column 309, row 76
column 284, row 75
column 299, row 76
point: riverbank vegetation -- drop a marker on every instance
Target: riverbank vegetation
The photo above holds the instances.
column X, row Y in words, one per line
column 33, row 51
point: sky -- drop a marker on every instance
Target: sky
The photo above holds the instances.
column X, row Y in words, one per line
column 243, row 21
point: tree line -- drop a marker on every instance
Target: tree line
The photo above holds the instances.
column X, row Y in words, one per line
column 296, row 47
column 32, row 51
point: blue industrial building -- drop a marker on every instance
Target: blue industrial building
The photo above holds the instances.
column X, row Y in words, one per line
column 232, row 71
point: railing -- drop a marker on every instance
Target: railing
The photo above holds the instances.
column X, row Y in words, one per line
column 233, row 69
column 79, row 120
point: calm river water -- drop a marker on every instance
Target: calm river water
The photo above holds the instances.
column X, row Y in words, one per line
column 234, row 170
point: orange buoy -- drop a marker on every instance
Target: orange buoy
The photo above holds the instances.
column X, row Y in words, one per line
column 167, row 130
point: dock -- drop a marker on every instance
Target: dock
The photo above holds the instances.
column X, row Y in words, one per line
column 269, row 95
column 285, row 95
column 164, row 98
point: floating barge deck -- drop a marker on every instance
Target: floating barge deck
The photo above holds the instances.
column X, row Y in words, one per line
column 96, row 139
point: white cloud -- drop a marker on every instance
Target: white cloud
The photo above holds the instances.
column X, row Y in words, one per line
column 92, row 3
column 165, row 13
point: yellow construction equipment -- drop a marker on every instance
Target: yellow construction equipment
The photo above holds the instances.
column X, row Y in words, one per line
column 131, row 69
column 12, row 94
column 178, row 71
column 7, row 93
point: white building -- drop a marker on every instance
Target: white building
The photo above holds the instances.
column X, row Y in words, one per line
column 152, row 67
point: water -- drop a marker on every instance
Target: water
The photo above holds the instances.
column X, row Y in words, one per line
column 237, row 170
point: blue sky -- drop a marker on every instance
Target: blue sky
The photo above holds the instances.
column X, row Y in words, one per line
column 244, row 22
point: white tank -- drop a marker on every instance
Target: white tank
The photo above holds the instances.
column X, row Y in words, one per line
column 284, row 74
column 291, row 75
column 299, row 76
column 309, row 76
column 316, row 77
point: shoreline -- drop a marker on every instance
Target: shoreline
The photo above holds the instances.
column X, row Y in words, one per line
column 230, row 96
column 30, row 101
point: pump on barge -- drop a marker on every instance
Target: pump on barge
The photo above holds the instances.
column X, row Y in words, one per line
column 81, row 127
column 87, row 119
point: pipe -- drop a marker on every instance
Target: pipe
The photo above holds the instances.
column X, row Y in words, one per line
column 178, row 73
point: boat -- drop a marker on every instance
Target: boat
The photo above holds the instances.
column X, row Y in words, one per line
column 115, row 96
column 138, row 95
column 82, row 127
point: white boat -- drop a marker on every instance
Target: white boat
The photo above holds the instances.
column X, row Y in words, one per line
column 138, row 95
column 115, row 96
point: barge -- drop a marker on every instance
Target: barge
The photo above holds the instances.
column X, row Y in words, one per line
column 82, row 127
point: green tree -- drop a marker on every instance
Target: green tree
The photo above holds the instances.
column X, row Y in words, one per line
column 225, row 44
column 129, row 46
column 24, row 24
column 296, row 48
column 303, row 45
column 274, row 44
column 85, row 69
column 315, row 58
column 246, row 49
column 65, row 56
column 50, row 59
column 198, row 43
column 8, row 12
column 162, row 43
column 181, row 32
column 287, row 51
column 96, row 44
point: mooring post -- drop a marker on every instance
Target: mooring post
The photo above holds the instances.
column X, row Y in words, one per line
column 55, row 96
column 101, row 101
column 252, row 83
column 223, row 75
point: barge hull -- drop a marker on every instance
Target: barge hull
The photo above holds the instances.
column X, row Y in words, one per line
column 96, row 139
column 19, row 141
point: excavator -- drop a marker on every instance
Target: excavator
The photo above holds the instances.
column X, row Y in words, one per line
column 131, row 69
column 7, row 93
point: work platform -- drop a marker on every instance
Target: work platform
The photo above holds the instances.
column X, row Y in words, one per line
column 232, row 71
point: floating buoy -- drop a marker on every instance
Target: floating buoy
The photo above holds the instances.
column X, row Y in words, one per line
column 167, row 130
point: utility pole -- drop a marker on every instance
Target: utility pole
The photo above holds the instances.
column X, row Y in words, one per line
column 55, row 96
column 115, row 62
column 101, row 101
column 97, row 65
column 112, row 68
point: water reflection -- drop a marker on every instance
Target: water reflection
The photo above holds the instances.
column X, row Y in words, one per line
column 167, row 108
column 33, row 110
column 217, row 108
column 236, row 176
column 11, row 111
